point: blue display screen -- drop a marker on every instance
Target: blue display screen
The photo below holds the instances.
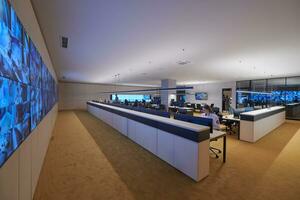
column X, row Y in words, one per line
column 131, row 97
column 14, row 116
column 25, row 94
column 35, row 107
column 277, row 97
column 201, row 96
column 292, row 96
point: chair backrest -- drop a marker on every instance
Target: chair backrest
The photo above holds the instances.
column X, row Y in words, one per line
column 216, row 110
column 195, row 120
column 199, row 106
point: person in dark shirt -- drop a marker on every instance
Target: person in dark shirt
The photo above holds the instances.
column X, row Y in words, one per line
column 135, row 103
column 126, row 102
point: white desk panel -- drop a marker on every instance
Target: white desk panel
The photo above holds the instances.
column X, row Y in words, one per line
column 165, row 146
column 131, row 129
column 252, row 131
column 146, row 136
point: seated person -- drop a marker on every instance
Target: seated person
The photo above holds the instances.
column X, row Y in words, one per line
column 209, row 114
column 136, row 103
column 126, row 102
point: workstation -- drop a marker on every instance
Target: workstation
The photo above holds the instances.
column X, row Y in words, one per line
column 256, row 124
column 149, row 100
column 183, row 145
column 182, row 141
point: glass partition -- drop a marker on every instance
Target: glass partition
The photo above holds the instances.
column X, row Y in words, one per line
column 292, row 90
column 277, row 87
column 269, row 92
column 259, row 85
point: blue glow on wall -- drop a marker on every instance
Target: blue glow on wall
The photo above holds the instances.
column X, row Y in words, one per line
column 27, row 89
column 131, row 97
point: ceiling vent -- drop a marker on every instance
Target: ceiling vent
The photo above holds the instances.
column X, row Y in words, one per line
column 64, row 42
column 183, row 62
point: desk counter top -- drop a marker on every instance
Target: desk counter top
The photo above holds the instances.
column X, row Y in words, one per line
column 262, row 113
column 160, row 122
column 293, row 104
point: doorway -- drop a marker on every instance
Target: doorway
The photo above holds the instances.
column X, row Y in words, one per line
column 226, row 98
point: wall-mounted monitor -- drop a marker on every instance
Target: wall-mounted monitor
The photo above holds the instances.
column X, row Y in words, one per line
column 14, row 116
column 201, row 96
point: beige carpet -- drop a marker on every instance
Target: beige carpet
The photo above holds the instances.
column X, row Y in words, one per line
column 88, row 159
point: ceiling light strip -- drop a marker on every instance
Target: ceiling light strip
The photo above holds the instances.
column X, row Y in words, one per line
column 149, row 90
column 253, row 92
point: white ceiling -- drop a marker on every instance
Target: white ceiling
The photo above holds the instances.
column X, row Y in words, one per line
column 142, row 40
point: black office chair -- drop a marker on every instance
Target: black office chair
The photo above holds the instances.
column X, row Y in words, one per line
column 216, row 110
column 201, row 121
column 214, row 150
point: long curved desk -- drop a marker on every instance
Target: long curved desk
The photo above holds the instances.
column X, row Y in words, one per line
column 183, row 145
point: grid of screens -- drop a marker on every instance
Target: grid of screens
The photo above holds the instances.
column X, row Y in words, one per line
column 27, row 89
column 276, row 91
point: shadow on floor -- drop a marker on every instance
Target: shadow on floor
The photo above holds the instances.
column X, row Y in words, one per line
column 148, row 177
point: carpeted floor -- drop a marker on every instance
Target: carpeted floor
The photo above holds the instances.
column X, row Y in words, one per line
column 88, row 159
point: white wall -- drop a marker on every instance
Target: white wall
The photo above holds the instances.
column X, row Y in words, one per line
column 19, row 175
column 75, row 95
column 214, row 91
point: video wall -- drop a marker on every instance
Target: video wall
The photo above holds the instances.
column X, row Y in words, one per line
column 131, row 97
column 27, row 89
column 268, row 92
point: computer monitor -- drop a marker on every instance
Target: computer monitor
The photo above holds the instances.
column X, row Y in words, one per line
column 237, row 112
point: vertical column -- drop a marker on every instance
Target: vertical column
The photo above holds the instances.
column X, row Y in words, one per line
column 167, row 95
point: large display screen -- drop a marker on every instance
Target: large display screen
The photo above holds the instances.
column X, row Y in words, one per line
column 14, row 116
column 276, row 97
column 131, row 97
column 26, row 94
column 292, row 97
column 201, row 96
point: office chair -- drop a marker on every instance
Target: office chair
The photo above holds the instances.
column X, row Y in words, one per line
column 216, row 110
column 193, row 105
column 201, row 121
column 214, row 150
